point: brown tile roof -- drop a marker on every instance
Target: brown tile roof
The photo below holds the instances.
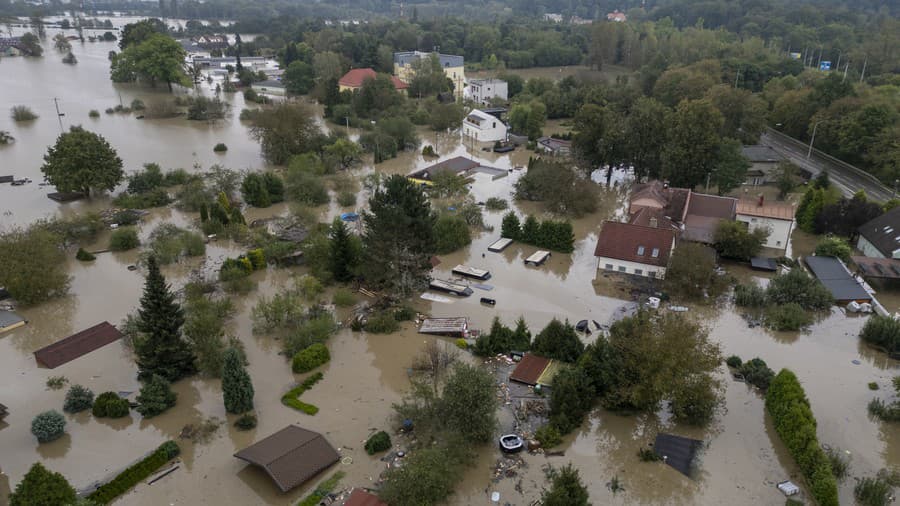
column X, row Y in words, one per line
column 360, row 497
column 871, row 267
column 355, row 78
column 777, row 210
column 76, row 345
column 673, row 200
column 634, row 243
column 712, row 206
column 291, row 456
column 529, row 369
column 645, row 215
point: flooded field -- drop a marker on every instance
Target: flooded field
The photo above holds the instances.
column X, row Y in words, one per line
column 741, row 463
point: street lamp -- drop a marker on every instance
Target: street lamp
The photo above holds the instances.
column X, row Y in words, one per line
column 813, row 139
column 894, row 195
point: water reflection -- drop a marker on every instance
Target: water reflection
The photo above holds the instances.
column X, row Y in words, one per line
column 56, row 449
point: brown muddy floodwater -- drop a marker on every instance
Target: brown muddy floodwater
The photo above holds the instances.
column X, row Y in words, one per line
column 740, row 465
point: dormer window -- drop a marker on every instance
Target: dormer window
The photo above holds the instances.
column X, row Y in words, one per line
column 640, row 251
column 655, row 253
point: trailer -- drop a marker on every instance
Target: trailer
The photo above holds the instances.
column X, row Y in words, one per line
column 538, row 258
column 500, row 245
column 471, row 272
column 450, row 327
column 450, row 287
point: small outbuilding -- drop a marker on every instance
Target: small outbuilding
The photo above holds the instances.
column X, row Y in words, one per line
column 76, row 345
column 835, row 276
column 535, row 370
column 678, row 452
column 10, row 321
column 291, row 456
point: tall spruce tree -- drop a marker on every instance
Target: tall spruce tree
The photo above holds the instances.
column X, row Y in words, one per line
column 237, row 389
column 42, row 486
column 344, row 255
column 398, row 237
column 160, row 349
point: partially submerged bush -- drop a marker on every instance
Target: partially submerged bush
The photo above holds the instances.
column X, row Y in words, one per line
column 110, row 405
column 883, row 332
column 496, row 204
column 343, row 298
column 155, row 397
column 751, row 295
column 840, row 463
column 246, row 421
column 733, row 361
column 790, row 316
column 48, row 426
column 169, row 243
column 220, row 148
column 548, row 436
column 78, row 398
column 378, row 442
column 22, row 113
column 308, row 359
column 290, row 398
column 123, row 239
column 381, row 323
column 84, row 256
column 757, row 373
column 94, row 113
column 873, row 492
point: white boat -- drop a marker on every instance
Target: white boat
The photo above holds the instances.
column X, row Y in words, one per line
column 511, row 443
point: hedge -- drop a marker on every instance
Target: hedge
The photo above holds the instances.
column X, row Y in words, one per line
column 379, row 442
column 796, row 425
column 136, row 473
column 109, row 404
column 290, row 398
column 309, row 358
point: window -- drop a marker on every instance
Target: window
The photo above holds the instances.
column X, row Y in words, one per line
column 494, row 125
column 639, row 272
column 640, row 251
column 621, row 268
column 778, row 243
column 651, row 274
column 608, row 267
column 655, row 253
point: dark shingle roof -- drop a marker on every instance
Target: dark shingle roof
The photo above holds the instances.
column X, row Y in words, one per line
column 678, row 452
column 529, row 369
column 76, row 345
column 832, row 273
column 291, row 456
column 634, row 243
column 761, row 154
column 884, row 232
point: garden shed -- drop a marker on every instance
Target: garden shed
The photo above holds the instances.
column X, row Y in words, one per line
column 291, row 456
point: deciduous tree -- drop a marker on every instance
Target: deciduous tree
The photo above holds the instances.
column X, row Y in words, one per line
column 82, row 161
column 40, row 486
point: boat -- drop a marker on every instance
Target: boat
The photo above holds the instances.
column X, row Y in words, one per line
column 504, row 149
column 489, row 302
column 511, row 443
column 582, row 326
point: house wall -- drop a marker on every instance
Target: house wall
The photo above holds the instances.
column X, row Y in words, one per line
column 455, row 74
column 495, row 131
column 868, row 249
column 630, row 268
column 485, row 91
column 779, row 230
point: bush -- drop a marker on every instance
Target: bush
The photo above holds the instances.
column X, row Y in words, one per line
column 346, row 199
column 40, row 275
column 290, row 398
column 840, row 463
column 110, row 405
column 834, row 247
column 428, row 151
column 790, row 316
column 322, row 490
column 124, row 239
column 343, row 298
column 378, row 442
column 884, row 411
column 873, row 385
column 94, row 113
column 381, row 323
column 796, row 286
column 220, row 148
column 48, row 426
column 872, row 492
column 496, row 204
column 451, row 233
column 155, row 397
column 883, row 332
column 751, row 295
column 732, row 239
column 56, row 382
column 317, row 329
column 795, row 424
column 135, row 474
column 156, row 197
column 548, row 436
column 85, row 256
column 23, row 113
column 308, row 359
column 757, row 373
column 137, row 105
column 733, row 361
column 78, row 398
column 246, row 421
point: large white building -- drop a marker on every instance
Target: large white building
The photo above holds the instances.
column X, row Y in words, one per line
column 483, row 91
column 776, row 217
column 480, row 126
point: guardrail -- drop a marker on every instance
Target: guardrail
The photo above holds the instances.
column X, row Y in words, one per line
column 840, row 163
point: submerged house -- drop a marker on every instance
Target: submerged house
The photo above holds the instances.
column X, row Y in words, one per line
column 880, row 237
column 291, row 456
column 696, row 215
column 634, row 249
column 460, row 165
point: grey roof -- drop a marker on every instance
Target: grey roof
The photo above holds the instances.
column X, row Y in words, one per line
column 291, row 456
column 833, row 274
column 447, row 60
column 884, row 232
column 678, row 452
column 761, row 154
column 8, row 319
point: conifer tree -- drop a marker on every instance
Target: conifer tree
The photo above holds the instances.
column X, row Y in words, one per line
column 160, row 349
column 237, row 389
column 344, row 254
column 521, row 336
column 42, row 486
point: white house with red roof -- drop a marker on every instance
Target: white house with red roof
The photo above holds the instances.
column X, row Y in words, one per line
column 635, row 249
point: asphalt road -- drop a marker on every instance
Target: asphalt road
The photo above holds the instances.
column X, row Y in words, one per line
column 848, row 180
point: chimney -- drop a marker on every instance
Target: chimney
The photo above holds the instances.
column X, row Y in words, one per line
column 653, row 222
column 762, row 200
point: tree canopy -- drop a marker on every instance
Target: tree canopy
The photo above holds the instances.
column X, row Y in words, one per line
column 155, row 59
column 82, row 161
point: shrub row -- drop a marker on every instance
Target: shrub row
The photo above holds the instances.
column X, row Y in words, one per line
column 134, row 474
column 309, row 358
column 553, row 235
column 290, row 398
column 796, row 425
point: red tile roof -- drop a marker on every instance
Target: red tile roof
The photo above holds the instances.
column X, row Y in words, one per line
column 634, row 243
column 360, row 497
column 76, row 345
column 529, row 369
column 355, row 78
column 645, row 216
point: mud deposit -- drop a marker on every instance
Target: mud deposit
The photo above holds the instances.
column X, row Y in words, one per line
column 741, row 463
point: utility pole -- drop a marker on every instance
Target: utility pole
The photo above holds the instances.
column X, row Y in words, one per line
column 813, row 139
column 847, row 66
column 58, row 114
column 863, row 75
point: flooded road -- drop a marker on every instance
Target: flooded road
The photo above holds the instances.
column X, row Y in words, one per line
column 367, row 373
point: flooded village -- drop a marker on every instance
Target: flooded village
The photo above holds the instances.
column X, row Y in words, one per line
column 622, row 253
